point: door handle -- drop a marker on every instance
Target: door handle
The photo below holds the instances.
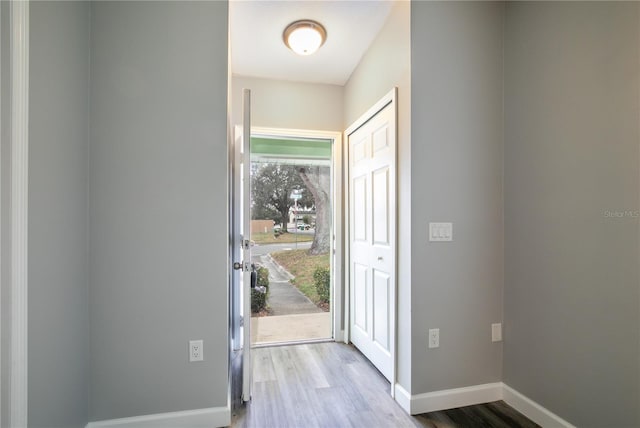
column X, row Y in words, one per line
column 237, row 266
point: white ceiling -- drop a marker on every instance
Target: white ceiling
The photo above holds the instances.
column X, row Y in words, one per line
column 257, row 48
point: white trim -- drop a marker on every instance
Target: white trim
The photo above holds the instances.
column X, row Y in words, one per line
column 403, row 398
column 390, row 97
column 478, row 394
column 19, row 211
column 382, row 103
column 457, row 397
column 448, row 398
column 211, row 417
column 338, row 245
column 532, row 410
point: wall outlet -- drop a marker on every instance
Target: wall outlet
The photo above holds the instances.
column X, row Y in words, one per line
column 434, row 338
column 496, row 332
column 196, row 350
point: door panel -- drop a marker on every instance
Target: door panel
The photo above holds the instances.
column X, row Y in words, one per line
column 372, row 208
column 380, row 194
column 360, row 284
column 381, row 310
column 360, row 209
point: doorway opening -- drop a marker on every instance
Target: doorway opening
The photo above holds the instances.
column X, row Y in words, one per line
column 293, row 193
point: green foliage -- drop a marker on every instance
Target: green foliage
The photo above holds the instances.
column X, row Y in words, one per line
column 263, row 277
column 271, row 187
column 258, row 299
column 322, row 281
column 306, row 219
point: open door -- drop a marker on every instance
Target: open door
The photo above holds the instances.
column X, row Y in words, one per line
column 241, row 293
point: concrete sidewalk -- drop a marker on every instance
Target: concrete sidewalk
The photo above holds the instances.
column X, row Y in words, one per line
column 289, row 328
column 284, row 298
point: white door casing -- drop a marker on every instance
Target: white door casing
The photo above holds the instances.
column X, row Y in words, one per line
column 245, row 159
column 372, row 238
column 241, row 251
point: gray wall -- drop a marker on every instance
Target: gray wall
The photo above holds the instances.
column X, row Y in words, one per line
column 58, row 215
column 385, row 65
column 292, row 105
column 4, row 213
column 158, row 210
column 456, row 175
column 571, row 155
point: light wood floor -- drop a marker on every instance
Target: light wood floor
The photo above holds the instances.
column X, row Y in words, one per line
column 334, row 385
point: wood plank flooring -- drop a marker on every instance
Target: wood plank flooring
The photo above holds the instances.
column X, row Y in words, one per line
column 334, row 385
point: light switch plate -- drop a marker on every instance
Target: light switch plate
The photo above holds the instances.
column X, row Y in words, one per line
column 440, row 232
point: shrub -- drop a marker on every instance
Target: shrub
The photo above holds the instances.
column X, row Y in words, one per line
column 322, row 281
column 258, row 299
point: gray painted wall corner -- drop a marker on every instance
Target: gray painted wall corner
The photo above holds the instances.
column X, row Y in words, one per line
column 456, row 151
column 385, row 65
column 58, row 218
column 572, row 173
column 158, row 216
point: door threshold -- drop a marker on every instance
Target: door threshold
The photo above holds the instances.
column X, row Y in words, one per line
column 292, row 342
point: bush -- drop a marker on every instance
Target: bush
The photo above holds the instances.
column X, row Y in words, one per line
column 322, row 281
column 258, row 299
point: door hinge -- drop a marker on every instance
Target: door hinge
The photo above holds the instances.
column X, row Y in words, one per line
column 243, row 266
column 241, row 321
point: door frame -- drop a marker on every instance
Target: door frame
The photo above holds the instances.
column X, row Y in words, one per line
column 337, row 308
column 391, row 98
column 17, row 215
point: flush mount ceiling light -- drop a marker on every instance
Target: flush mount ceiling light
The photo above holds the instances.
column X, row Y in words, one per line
column 304, row 37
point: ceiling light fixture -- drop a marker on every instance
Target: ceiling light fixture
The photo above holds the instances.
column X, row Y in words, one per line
column 304, row 37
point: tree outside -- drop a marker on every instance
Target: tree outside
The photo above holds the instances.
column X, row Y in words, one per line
column 272, row 187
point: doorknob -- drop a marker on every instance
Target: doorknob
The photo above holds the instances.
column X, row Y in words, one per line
column 237, row 266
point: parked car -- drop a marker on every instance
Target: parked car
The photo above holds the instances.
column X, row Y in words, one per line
column 303, row 226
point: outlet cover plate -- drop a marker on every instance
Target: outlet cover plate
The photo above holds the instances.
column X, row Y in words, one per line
column 434, row 338
column 196, row 350
column 496, row 332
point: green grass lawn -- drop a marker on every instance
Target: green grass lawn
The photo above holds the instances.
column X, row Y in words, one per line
column 301, row 265
column 285, row 238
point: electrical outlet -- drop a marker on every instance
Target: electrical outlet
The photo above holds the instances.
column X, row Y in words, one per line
column 434, row 338
column 496, row 332
column 196, row 350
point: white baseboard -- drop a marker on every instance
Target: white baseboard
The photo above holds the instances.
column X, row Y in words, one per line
column 468, row 396
column 403, row 398
column 200, row 418
column 532, row 410
column 451, row 398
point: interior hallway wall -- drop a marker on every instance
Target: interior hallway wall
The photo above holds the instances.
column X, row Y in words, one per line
column 456, row 176
column 158, row 211
column 385, row 65
column 58, row 310
column 572, row 301
column 292, row 105
column 5, row 159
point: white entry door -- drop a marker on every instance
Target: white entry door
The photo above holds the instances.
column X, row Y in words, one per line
column 241, row 248
column 372, row 224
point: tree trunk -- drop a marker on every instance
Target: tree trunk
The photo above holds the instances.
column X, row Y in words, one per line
column 318, row 182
